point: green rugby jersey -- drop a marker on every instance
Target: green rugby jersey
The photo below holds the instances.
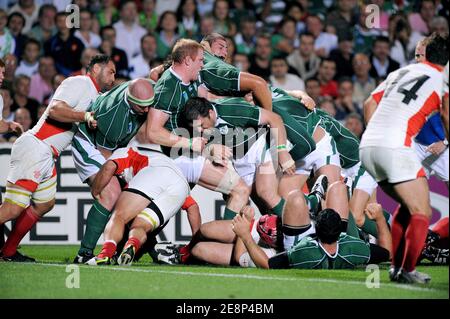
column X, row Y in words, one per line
column 171, row 95
column 220, row 77
column 309, row 254
column 347, row 143
column 117, row 124
column 237, row 125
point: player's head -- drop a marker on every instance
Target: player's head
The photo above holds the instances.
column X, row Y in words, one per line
column 268, row 228
column 419, row 54
column 103, row 70
column 199, row 114
column 328, row 226
column 2, row 71
column 436, row 51
column 218, row 44
column 140, row 95
column 188, row 54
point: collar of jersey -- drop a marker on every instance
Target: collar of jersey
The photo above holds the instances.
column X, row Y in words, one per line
column 177, row 76
column 435, row 66
column 326, row 252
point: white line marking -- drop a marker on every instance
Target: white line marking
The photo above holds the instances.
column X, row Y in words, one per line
column 237, row 276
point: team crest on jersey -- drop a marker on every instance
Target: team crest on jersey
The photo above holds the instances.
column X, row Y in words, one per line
column 130, row 127
column 185, row 96
column 37, row 174
column 223, row 130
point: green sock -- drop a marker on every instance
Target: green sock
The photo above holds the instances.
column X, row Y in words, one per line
column 370, row 226
column 97, row 219
column 352, row 229
column 313, row 202
column 229, row 214
column 278, row 209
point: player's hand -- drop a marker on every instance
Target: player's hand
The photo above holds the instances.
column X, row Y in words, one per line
column 249, row 98
column 198, row 144
column 436, row 148
column 287, row 164
column 219, row 154
column 374, row 211
column 89, row 118
column 241, row 226
column 248, row 212
column 308, row 102
column 16, row 128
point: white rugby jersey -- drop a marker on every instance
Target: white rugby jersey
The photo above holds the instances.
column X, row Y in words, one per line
column 78, row 92
column 445, row 82
column 405, row 100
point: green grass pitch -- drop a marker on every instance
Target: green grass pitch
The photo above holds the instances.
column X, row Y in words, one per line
column 48, row 277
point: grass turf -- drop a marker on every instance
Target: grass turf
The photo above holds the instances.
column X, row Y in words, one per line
column 47, row 279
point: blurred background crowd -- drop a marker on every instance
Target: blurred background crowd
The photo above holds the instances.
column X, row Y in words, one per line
column 324, row 47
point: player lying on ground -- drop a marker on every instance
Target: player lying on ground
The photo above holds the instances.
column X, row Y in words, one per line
column 156, row 191
column 436, row 247
column 31, row 182
column 395, row 112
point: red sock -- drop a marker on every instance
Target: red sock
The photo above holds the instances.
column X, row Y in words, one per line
column 185, row 253
column 399, row 224
column 415, row 235
column 24, row 223
column 134, row 242
column 441, row 228
column 108, row 249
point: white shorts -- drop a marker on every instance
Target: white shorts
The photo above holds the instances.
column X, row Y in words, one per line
column 87, row 159
column 361, row 179
column 394, row 165
column 324, row 154
column 191, row 167
column 32, row 167
column 165, row 187
column 257, row 155
column 436, row 165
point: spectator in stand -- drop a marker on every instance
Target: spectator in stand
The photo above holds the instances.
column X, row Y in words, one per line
column 285, row 40
column 222, row 22
column 85, row 34
column 41, row 110
column 23, row 117
column 10, row 61
column 16, row 22
column 304, row 60
column 312, row 88
column 86, row 56
column 128, row 31
column 64, row 47
column 363, row 83
column 148, row 18
column 241, row 10
column 241, row 61
column 260, row 61
column 354, row 123
column 56, row 81
column 7, row 41
column 41, row 82
column 246, row 38
column 343, row 56
column 439, row 25
column 270, row 13
column 206, row 27
column 29, row 11
column 324, row 42
column 280, row 77
column 404, row 42
column 108, row 47
column 231, row 49
column 327, row 105
column 21, row 87
column 140, row 65
column 384, row 15
column 166, row 5
column 108, row 13
column 363, row 33
column 45, row 29
column 30, row 58
column 188, row 19
column 327, row 71
column 296, row 11
column 205, row 7
column 167, row 34
column 7, row 114
column 344, row 102
column 344, row 18
column 420, row 21
column 382, row 63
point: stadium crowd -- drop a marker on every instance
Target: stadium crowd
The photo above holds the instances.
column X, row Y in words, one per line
column 326, row 53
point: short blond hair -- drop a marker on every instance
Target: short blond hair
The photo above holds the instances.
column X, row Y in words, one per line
column 184, row 48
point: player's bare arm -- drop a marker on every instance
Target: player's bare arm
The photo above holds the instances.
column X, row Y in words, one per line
column 11, row 126
column 103, row 177
column 259, row 88
column 369, row 107
column 374, row 211
column 62, row 112
column 303, row 97
column 157, row 134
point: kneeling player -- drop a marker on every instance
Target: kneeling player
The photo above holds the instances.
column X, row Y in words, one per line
column 156, row 191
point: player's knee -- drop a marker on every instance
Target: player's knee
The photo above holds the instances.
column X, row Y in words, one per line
column 359, row 219
column 43, row 208
column 110, row 194
column 9, row 212
column 337, row 189
column 241, row 191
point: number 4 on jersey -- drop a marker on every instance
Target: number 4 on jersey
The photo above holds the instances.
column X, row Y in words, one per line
column 410, row 94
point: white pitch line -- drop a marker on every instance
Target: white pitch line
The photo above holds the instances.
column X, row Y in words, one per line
column 256, row 277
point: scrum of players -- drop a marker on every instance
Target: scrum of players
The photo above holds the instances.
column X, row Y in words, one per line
column 231, row 132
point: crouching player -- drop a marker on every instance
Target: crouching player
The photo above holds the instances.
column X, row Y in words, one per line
column 156, row 191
